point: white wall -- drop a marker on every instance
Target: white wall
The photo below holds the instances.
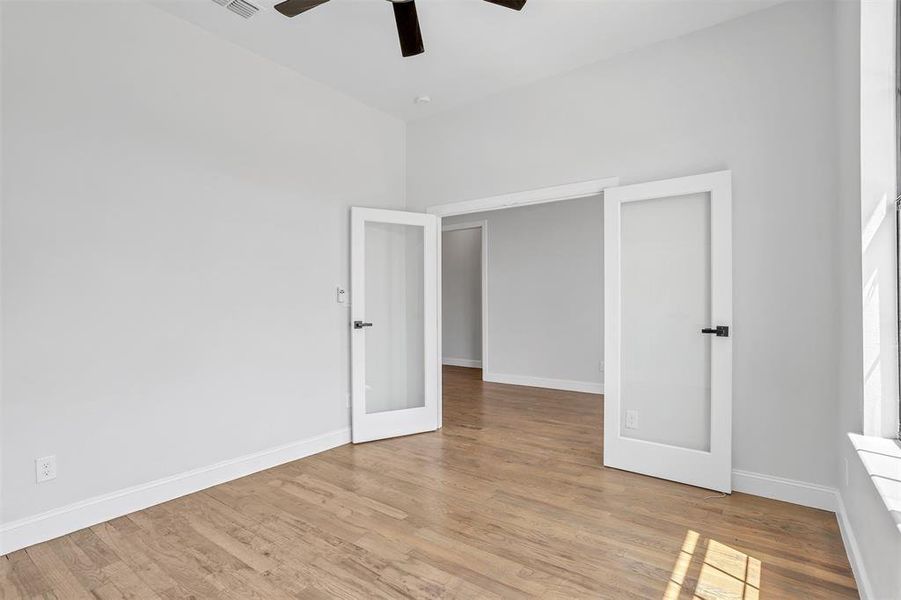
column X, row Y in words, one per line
column 461, row 296
column 755, row 95
column 545, row 291
column 175, row 224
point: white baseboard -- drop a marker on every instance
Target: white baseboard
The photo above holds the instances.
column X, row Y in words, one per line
column 568, row 385
column 864, row 588
column 787, row 490
column 60, row 521
column 462, row 362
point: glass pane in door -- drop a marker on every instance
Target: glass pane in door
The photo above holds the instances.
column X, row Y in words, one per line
column 665, row 271
column 395, row 352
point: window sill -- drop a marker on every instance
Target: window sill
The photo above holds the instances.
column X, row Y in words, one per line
column 881, row 457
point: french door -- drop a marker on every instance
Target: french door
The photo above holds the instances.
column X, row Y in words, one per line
column 394, row 323
column 668, row 329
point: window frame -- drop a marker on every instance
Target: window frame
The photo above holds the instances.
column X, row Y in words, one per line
column 898, row 289
column 898, row 200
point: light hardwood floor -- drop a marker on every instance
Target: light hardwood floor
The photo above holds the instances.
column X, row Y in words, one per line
column 508, row 500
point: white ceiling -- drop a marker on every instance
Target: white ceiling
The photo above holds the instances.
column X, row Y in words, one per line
column 473, row 48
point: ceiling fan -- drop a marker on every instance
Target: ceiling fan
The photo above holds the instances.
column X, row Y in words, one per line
column 404, row 15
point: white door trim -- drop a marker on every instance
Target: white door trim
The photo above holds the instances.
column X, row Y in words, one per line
column 711, row 469
column 483, row 225
column 366, row 427
column 556, row 193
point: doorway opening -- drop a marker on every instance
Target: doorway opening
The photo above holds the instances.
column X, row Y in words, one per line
column 630, row 298
column 541, row 298
column 464, row 294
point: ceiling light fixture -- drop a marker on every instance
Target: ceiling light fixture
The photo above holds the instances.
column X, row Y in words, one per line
column 421, row 100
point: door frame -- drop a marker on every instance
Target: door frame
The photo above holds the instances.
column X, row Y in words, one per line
column 483, row 227
column 709, row 469
column 554, row 193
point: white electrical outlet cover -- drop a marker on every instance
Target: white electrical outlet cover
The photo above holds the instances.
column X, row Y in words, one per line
column 631, row 419
column 45, row 468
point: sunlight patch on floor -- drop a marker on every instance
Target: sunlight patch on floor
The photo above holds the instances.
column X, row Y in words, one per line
column 724, row 574
column 674, row 586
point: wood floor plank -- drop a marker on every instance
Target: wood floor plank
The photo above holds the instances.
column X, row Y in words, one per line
column 508, row 500
column 64, row 584
column 89, row 574
column 10, row 586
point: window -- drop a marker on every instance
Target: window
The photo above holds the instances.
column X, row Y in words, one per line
column 898, row 194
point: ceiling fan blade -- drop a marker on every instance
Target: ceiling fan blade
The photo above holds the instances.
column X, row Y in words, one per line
column 514, row 4
column 408, row 28
column 292, row 8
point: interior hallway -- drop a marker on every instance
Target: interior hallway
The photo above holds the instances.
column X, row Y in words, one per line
column 507, row 500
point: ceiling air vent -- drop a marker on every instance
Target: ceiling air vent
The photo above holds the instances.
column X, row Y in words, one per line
column 240, row 7
column 222, row 2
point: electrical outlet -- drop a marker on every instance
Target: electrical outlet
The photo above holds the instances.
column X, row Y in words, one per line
column 341, row 295
column 45, row 468
column 601, row 366
column 631, row 419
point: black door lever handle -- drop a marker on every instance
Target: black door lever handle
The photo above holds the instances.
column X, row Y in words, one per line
column 718, row 331
column 361, row 324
